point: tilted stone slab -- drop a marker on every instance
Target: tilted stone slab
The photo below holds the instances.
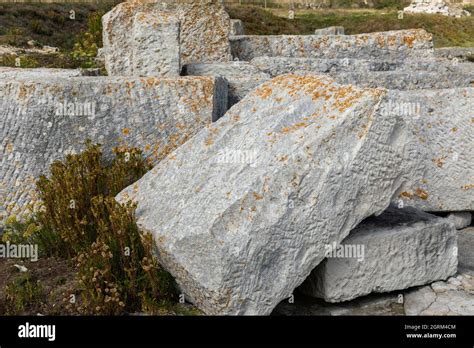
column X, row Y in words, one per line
column 42, row 120
column 390, row 44
column 241, row 212
column 399, row 249
column 443, row 131
column 241, row 76
column 283, row 65
column 204, row 29
column 155, row 49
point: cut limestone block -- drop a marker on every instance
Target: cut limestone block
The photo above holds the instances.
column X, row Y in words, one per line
column 283, row 65
column 42, row 120
column 20, row 73
column 460, row 219
column 241, row 212
column 442, row 7
column 155, row 50
column 442, row 124
column 407, row 80
column 236, row 27
column 242, row 77
column 335, row 30
column 204, row 29
column 383, row 45
column 141, row 40
column 399, row 249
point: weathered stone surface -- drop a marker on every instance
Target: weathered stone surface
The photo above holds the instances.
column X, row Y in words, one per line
column 454, row 297
column 466, row 248
column 335, row 30
column 241, row 76
column 441, row 122
column 140, row 40
column 20, row 73
column 283, row 65
column 42, row 120
column 408, row 80
column 454, row 52
column 203, row 34
column 155, row 49
column 241, row 212
column 436, row 7
column 399, row 249
column 236, row 27
column 383, row 45
column 460, row 219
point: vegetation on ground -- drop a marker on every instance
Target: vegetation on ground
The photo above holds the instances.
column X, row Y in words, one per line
column 81, row 223
column 447, row 31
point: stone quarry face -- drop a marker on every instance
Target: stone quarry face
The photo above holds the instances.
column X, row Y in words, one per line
column 399, row 249
column 391, row 44
column 441, row 123
column 203, row 29
column 241, row 212
column 42, row 120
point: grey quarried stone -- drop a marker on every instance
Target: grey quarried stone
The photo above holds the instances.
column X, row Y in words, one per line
column 21, row 73
column 204, row 29
column 466, row 248
column 335, row 30
column 42, row 120
column 390, row 44
column 453, row 297
column 399, row 249
column 140, row 39
column 454, row 52
column 241, row 212
column 461, row 219
column 241, row 76
column 408, row 80
column 442, row 126
column 236, row 27
column 283, row 65
column 155, row 50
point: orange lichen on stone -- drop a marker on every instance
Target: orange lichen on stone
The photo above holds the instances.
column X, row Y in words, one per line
column 422, row 194
column 467, row 187
column 439, row 161
column 406, row 194
column 257, row 196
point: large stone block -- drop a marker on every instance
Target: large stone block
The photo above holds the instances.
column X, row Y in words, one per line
column 408, row 80
column 443, row 131
column 44, row 119
column 383, row 45
column 242, row 77
column 399, row 249
column 155, row 49
column 204, row 29
column 141, row 39
column 241, row 212
column 335, row 30
column 283, row 65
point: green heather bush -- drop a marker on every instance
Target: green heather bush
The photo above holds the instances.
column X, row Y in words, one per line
column 68, row 194
column 22, row 292
column 85, row 49
column 80, row 220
